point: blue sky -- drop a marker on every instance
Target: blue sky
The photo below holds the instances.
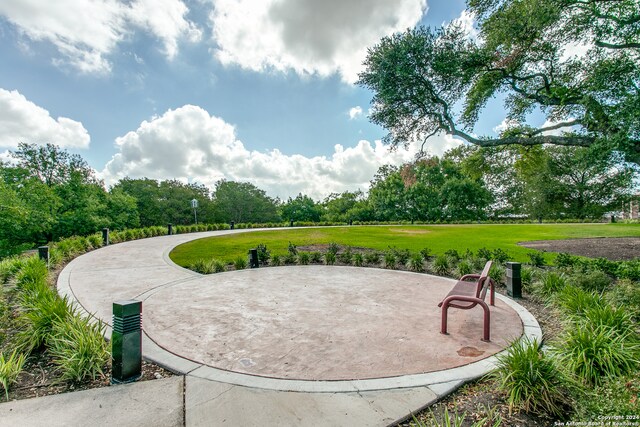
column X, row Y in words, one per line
column 199, row 90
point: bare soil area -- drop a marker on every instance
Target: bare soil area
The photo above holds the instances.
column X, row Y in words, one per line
column 612, row 248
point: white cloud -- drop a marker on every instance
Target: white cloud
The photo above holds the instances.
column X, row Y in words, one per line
column 189, row 144
column 505, row 124
column 355, row 112
column 85, row 32
column 307, row 36
column 466, row 21
column 23, row 121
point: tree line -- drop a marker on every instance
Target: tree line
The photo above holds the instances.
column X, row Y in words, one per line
column 47, row 194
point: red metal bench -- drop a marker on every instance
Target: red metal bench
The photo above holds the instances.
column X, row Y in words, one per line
column 467, row 294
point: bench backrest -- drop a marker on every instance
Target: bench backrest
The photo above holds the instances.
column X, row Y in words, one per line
column 483, row 283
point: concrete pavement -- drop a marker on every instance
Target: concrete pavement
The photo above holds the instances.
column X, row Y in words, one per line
column 308, row 345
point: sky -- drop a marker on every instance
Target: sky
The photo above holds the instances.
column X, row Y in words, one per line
column 202, row 90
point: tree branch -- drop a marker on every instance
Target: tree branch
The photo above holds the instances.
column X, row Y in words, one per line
column 617, row 46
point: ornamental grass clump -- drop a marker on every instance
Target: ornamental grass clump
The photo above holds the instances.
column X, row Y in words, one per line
column 9, row 267
column 416, row 263
column 315, row 257
column 219, row 266
column 595, row 352
column 40, row 311
column 441, row 265
column 330, row 258
column 531, row 379
column 10, row 368
column 464, row 267
column 32, row 274
column 240, row 263
column 202, row 266
column 79, row 348
column 592, row 281
column 389, row 260
column 574, row 301
column 358, row 259
column 304, row 258
column 372, row 258
column 549, row 283
column 497, row 272
column 626, row 293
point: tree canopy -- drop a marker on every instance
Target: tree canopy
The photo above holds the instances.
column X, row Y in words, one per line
column 429, row 81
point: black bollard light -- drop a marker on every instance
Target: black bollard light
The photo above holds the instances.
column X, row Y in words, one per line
column 254, row 262
column 170, row 229
column 350, row 222
column 291, row 223
column 232, row 225
column 105, row 237
column 514, row 280
column 43, row 254
column 126, row 341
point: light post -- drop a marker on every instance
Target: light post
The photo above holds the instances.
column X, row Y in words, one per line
column 194, row 206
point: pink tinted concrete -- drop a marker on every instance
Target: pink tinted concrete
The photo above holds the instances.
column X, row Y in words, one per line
column 321, row 323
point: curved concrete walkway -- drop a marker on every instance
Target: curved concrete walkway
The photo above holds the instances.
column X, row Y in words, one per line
column 253, row 344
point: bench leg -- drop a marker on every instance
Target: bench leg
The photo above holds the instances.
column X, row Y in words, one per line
column 443, row 327
column 486, row 330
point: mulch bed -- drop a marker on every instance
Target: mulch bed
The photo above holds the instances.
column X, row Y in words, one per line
column 612, row 248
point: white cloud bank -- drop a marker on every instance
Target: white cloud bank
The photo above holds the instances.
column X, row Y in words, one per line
column 355, row 112
column 23, row 121
column 85, row 32
column 307, row 36
column 191, row 145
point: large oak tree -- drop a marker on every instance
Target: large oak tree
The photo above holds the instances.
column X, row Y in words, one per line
column 429, row 81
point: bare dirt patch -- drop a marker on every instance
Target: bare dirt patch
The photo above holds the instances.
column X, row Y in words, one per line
column 612, row 248
column 411, row 231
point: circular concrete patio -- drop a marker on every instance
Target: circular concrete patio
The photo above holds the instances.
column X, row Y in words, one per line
column 302, row 328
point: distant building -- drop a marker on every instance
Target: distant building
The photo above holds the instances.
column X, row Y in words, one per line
column 631, row 209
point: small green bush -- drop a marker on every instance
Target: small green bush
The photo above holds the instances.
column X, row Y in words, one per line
column 597, row 281
column 453, row 255
column 290, row 258
column 202, row 266
column 441, row 265
column 573, row 301
column 329, row 258
column 536, row 258
column 500, row 256
column 10, row 368
column 303, row 258
column 594, row 353
column 276, row 260
column 315, row 257
column 240, row 263
column 484, row 254
column 549, row 283
column 426, row 254
column 358, row 259
column 531, row 379
column 564, row 260
column 372, row 258
column 346, row 257
column 292, row 249
column 628, row 270
column 263, row 254
column 79, row 349
column 416, row 263
column 464, row 267
column 333, row 248
column 389, row 260
column 527, row 276
column 219, row 266
column 497, row 272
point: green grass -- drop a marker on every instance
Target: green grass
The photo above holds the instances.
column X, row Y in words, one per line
column 438, row 238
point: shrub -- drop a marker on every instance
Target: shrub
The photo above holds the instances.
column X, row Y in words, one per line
column 416, row 263
column 290, row 258
column 593, row 281
column 549, row 283
column 78, row 348
column 573, row 301
column 372, row 258
column 95, row 240
column 497, row 272
column 564, row 260
column 202, row 266
column 531, row 379
column 526, row 275
column 276, row 260
column 453, row 255
column 329, row 258
column 346, row 256
column 628, row 270
column 536, row 258
column 263, row 254
column 464, row 267
column 42, row 310
column 10, row 368
column 441, row 265
column 240, row 263
column 604, row 265
column 426, row 254
column 358, row 259
column 292, row 249
column 303, row 258
column 333, row 248
column 500, row 256
column 316, row 257
column 484, row 254
column 218, row 266
column 594, row 352
column 389, row 260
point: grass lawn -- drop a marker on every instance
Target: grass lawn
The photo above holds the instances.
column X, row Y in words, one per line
column 438, row 238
